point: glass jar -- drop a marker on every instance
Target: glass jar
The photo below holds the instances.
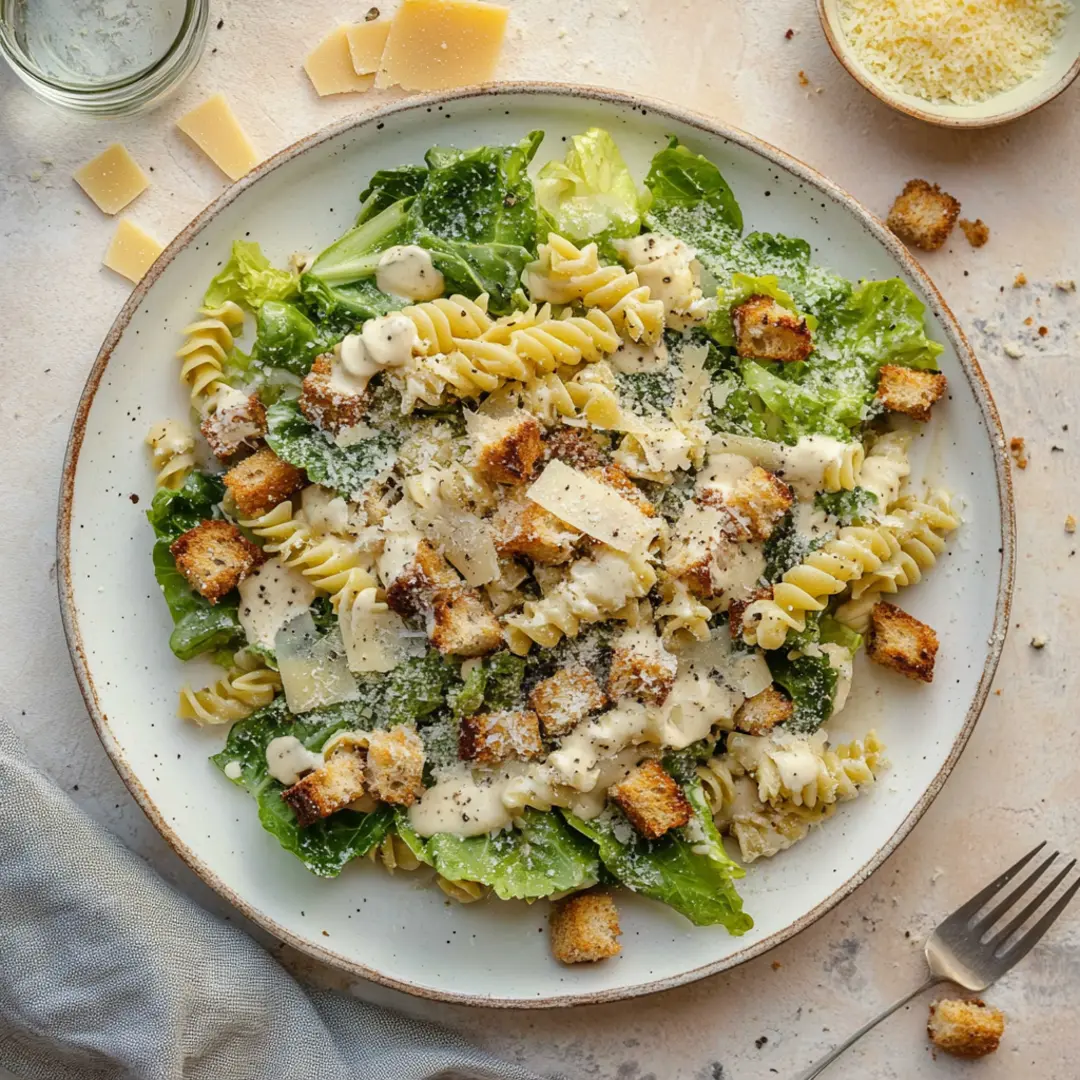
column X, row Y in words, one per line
column 103, row 57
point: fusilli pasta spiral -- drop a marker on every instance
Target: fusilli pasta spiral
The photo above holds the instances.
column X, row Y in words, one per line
column 845, row 471
column 394, row 854
column 885, row 467
column 464, row 892
column 172, row 449
column 203, row 354
column 247, row 686
column 681, row 613
column 441, row 323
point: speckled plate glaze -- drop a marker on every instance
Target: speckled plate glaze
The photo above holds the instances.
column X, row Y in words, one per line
column 401, row 931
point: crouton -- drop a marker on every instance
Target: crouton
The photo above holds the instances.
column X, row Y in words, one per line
column 523, row 527
column 905, row 390
column 615, row 478
column 427, row 574
column 759, row 714
column 328, row 789
column 923, row 215
column 463, row 625
column 490, row 738
column 766, row 330
column 565, row 699
column 737, row 610
column 899, row 641
column 641, row 667
column 585, row 928
column 968, row 1029
column 329, row 404
column 759, row 500
column 577, row 447
column 215, row 557
column 233, row 427
column 1018, row 451
column 508, row 449
column 394, row 771
column 262, row 481
column 652, row 800
column 705, row 541
column 977, row 231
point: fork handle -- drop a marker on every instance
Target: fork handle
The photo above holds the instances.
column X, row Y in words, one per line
column 820, row 1066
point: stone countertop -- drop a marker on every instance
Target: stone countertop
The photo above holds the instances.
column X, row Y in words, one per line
column 1013, row 786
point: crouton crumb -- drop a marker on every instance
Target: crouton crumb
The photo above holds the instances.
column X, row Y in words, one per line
column 585, row 929
column 1020, row 280
column 977, row 231
column 1018, row 451
column 759, row 714
column 1070, row 523
column 968, row 1029
column 395, row 765
column 923, row 215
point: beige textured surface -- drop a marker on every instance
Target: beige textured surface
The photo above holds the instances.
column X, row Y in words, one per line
column 1018, row 780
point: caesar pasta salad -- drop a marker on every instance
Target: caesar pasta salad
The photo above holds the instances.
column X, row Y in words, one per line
column 535, row 525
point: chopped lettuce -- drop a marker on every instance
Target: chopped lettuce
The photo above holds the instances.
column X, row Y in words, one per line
column 539, row 857
column 286, row 338
column 249, row 280
column 680, row 180
column 415, row 689
column 174, row 512
column 591, row 194
column 346, row 469
column 325, row 847
column 494, row 682
column 848, row 507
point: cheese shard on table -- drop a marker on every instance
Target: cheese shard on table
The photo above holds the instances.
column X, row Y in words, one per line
column 441, row 44
column 329, row 66
column 214, row 129
column 594, row 508
column 132, row 251
column 366, row 43
column 112, row 179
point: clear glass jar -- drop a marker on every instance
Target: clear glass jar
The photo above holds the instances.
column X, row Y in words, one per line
column 103, row 57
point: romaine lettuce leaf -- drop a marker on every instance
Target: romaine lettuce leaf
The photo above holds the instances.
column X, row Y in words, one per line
column 249, row 280
column 346, row 469
column 174, row 512
column 810, row 682
column 848, row 507
column 679, row 179
column 286, row 338
column 591, row 194
column 388, row 186
column 472, row 269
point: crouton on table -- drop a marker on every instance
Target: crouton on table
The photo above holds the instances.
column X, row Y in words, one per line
column 394, row 770
column 328, row 789
column 965, row 1028
column 328, row 403
column 766, row 330
column 565, row 699
column 585, row 928
column 230, row 428
column 759, row 714
column 905, row 390
column 492, row 737
column 652, row 800
column 261, row 481
column 899, row 641
column 215, row 557
column 923, row 215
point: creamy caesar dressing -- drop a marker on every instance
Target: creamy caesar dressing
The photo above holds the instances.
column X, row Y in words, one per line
column 803, row 465
column 234, row 770
column 841, row 662
column 287, row 759
column 670, row 270
column 270, row 597
column 385, row 342
column 324, row 510
column 407, row 270
column 635, row 358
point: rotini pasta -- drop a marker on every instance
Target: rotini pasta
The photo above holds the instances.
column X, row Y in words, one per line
column 441, row 323
column 172, row 449
column 247, row 686
column 203, row 354
column 885, row 467
column 464, row 892
column 845, row 471
column 565, row 273
column 392, row 853
column 681, row 614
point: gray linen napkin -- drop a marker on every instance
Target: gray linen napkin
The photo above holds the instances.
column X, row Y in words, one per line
column 107, row 973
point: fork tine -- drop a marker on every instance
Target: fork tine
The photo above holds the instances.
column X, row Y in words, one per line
column 988, row 921
column 1003, row 935
column 1031, row 938
column 975, row 904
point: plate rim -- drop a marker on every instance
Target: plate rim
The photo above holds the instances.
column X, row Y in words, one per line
column 714, row 127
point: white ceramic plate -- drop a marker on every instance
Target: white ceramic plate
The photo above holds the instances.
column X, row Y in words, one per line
column 399, row 930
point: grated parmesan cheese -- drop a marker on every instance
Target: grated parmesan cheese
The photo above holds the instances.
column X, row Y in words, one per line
column 945, row 50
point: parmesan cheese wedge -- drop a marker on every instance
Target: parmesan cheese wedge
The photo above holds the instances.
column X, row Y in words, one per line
column 214, row 129
column 314, row 670
column 112, row 179
column 366, row 43
column 593, row 507
column 375, row 638
column 329, row 65
column 132, row 251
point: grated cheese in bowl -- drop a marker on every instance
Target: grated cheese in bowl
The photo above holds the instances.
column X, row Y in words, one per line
column 961, row 51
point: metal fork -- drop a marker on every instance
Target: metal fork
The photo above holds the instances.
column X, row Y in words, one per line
column 965, row 950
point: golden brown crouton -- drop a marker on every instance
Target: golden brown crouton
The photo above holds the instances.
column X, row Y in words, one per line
column 968, row 1029
column 905, row 390
column 615, row 478
column 327, row 789
column 585, row 928
column 234, row 427
column 641, row 668
column 395, row 765
column 215, row 557
column 759, row 714
column 328, row 405
column 977, row 231
column 652, row 800
column 523, row 527
column 759, row 500
column 737, row 610
column 923, row 215
column 577, row 447
column 899, row 641
column 766, row 330
column 500, row 736
column 463, row 625
column 565, row 699
column 262, row 481
column 704, row 542
column 509, row 452
column 426, row 575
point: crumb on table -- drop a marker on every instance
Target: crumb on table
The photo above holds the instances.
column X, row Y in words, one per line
column 965, row 1028
column 1020, row 280
column 1070, row 523
column 977, row 231
column 1018, row 451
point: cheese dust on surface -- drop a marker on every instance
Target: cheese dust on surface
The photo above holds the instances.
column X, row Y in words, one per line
column 944, row 50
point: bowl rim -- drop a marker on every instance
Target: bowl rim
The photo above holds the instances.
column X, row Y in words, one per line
column 791, row 165
column 834, row 35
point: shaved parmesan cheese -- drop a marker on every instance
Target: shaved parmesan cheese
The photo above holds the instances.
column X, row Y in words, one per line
column 314, row 670
column 270, row 597
column 112, row 179
column 375, row 638
column 330, row 65
column 131, row 251
column 593, row 507
column 214, row 129
column 465, row 538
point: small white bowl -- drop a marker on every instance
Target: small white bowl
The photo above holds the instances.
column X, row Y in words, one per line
column 1061, row 68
